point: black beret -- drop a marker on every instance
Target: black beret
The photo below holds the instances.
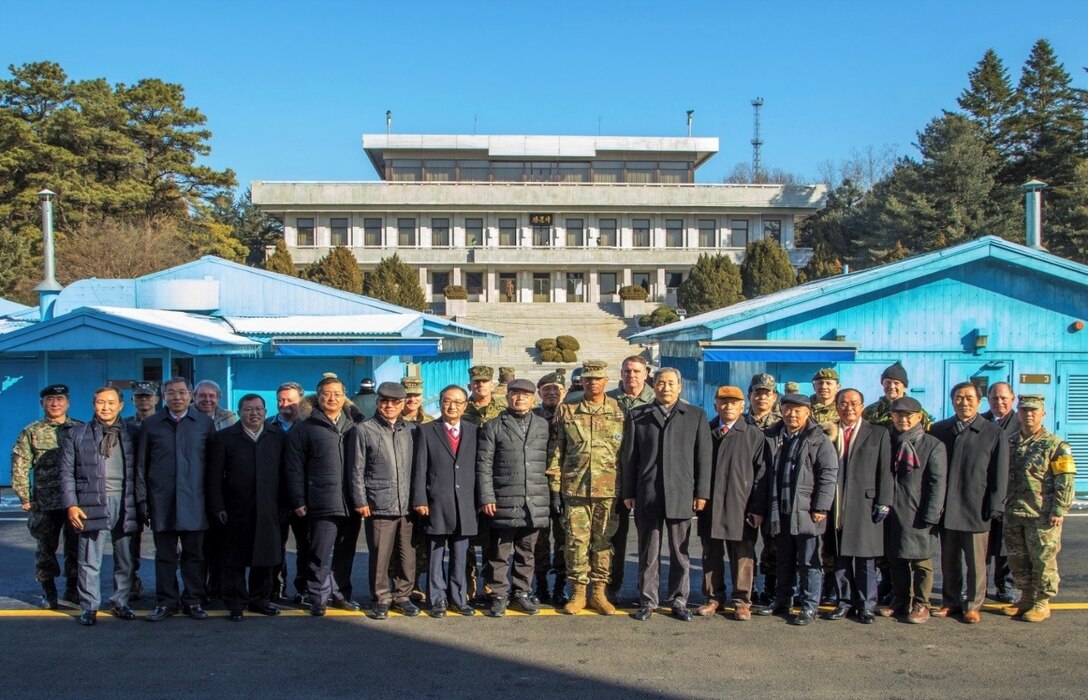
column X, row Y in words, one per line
column 54, row 390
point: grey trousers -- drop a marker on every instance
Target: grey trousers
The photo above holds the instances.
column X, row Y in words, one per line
column 957, row 550
column 91, row 547
column 649, row 553
column 389, row 541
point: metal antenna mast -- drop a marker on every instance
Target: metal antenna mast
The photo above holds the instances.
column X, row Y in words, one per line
column 757, row 141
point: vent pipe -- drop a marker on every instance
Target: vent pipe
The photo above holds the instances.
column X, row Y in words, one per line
column 1033, row 213
column 49, row 288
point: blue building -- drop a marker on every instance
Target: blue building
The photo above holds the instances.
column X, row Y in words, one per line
column 985, row 311
column 247, row 329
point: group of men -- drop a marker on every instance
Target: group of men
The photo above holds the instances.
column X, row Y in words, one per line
column 861, row 495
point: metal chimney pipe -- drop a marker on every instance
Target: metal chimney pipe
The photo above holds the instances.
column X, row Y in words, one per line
column 388, row 122
column 691, row 116
column 1033, row 213
column 48, row 288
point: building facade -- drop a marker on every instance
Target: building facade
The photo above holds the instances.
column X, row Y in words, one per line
column 537, row 219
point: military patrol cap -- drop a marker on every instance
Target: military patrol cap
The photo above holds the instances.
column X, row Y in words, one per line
column 413, row 386
column 482, row 372
column 550, row 378
column 506, row 373
column 895, row 371
column 826, row 373
column 729, row 392
column 54, row 390
column 391, row 390
column 521, row 385
column 792, row 388
column 762, row 381
column 145, row 388
column 594, row 369
column 796, row 400
column 1035, row 401
column 906, row 404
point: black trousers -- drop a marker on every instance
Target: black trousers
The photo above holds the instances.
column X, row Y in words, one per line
column 519, row 542
column 855, row 582
column 167, row 563
column 235, row 593
column 320, row 583
column 343, row 553
column 296, row 525
column 799, row 555
column 619, row 547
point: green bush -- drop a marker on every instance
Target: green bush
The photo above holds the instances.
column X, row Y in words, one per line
column 455, row 291
column 546, row 344
column 633, row 292
column 551, row 356
column 567, row 342
column 570, row 356
column 660, row 316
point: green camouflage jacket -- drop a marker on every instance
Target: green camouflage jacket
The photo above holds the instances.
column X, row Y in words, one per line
column 584, row 449
column 480, row 415
column 766, row 422
column 880, row 413
column 1041, row 476
column 37, row 450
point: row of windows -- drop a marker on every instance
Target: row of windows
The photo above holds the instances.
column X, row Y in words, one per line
column 639, row 172
column 736, row 236
column 607, row 282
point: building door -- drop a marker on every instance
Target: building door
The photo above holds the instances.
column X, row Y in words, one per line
column 1071, row 419
column 508, row 286
column 542, row 287
column 576, row 286
column 981, row 372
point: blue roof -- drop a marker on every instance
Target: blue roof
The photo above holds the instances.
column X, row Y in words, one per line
column 10, row 307
column 752, row 313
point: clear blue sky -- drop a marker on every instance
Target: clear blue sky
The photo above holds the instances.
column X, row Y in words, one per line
column 289, row 88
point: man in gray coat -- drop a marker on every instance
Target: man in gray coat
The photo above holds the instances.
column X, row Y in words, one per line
column 171, row 458
column 666, row 458
column 381, row 488
column 513, row 494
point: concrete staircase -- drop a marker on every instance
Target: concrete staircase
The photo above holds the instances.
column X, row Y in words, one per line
column 600, row 331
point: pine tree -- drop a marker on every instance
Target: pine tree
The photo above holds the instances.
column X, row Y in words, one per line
column 396, row 282
column 835, row 227
column 766, row 269
column 823, row 263
column 714, row 283
column 989, row 98
column 338, row 269
column 280, row 261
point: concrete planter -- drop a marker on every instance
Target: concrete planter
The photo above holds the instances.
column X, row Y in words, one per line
column 631, row 308
column 456, row 308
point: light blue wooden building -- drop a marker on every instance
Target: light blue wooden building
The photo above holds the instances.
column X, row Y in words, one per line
column 986, row 311
column 245, row 328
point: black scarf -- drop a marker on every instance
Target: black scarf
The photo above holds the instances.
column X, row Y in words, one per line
column 906, row 450
column 111, row 435
column 960, row 427
column 785, row 464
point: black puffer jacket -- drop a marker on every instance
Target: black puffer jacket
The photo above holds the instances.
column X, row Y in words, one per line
column 510, row 469
column 83, row 476
column 318, row 461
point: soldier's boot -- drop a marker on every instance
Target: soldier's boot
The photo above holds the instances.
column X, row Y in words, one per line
column 559, row 590
column 577, row 602
column 1039, row 612
column 598, row 600
column 541, row 595
column 1017, row 609
column 49, row 595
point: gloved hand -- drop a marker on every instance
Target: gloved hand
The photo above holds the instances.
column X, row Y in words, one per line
column 142, row 516
column 880, row 512
column 222, row 516
column 557, row 503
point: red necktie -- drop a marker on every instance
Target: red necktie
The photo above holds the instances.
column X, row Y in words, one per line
column 455, row 438
column 847, row 436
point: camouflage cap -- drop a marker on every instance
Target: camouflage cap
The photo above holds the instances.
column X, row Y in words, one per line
column 506, row 373
column 413, row 386
column 826, row 373
column 550, row 378
column 762, row 381
column 594, row 369
column 146, row 388
column 482, row 372
column 792, row 388
column 906, row 404
column 54, row 390
column 1030, row 401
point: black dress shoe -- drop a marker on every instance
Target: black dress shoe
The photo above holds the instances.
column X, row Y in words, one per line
column 765, row 610
column 264, row 609
column 161, row 613
column 437, row 611
column 88, row 618
column 805, row 617
column 643, row 613
column 236, row 615
column 47, row 603
column 71, row 595
column 406, row 608
column 317, row 610
column 841, row 611
column 380, row 611
column 466, row 610
column 344, row 604
column 124, row 612
column 301, row 599
column 866, row 617
column 681, row 613
column 196, row 612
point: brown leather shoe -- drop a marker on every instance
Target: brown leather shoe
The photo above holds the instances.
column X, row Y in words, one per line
column 919, row 613
column 891, row 611
column 972, row 617
column 742, row 613
column 947, row 611
column 708, row 608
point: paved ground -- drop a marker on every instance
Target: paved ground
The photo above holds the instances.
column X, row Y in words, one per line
column 554, row 655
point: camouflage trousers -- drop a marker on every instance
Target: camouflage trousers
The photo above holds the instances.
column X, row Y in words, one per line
column 1033, row 555
column 47, row 527
column 590, row 524
column 550, row 546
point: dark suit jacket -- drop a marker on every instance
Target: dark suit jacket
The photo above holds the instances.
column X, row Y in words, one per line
column 445, row 482
column 978, row 473
column 666, row 464
column 737, row 481
column 865, row 479
column 171, row 460
column 1010, row 424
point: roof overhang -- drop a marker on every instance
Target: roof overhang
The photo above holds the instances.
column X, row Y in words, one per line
column 796, row 351
column 357, row 347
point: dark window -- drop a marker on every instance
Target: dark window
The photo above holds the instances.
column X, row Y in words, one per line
column 511, row 171
column 473, row 170
column 372, row 233
column 576, row 287
column 576, row 236
column 772, row 228
column 674, row 279
column 542, row 172
column 738, row 233
column 674, row 233
column 474, row 233
column 305, row 228
column 641, row 171
column 641, row 279
column 574, row 172
column 406, row 233
column 474, row 282
column 439, row 170
column 641, row 228
column 508, row 232
column 440, row 233
column 608, row 233
column 542, row 236
column 439, row 282
column 608, row 171
column 608, row 283
column 708, row 233
column 406, row 170
column 674, row 173
column 338, row 232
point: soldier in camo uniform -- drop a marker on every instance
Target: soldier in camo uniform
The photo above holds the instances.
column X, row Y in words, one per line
column 413, row 413
column 483, row 405
column 1041, row 476
column 825, row 384
column 894, row 382
column 37, row 452
column 506, row 375
column 552, row 540
column 583, row 473
column 762, row 413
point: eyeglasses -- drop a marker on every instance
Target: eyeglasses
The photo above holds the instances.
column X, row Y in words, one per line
column 174, row 393
column 253, row 409
column 324, row 395
column 452, row 402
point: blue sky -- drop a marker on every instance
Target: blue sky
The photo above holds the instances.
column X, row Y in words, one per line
column 289, row 88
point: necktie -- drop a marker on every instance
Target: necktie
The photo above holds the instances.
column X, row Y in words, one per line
column 455, row 438
column 847, row 436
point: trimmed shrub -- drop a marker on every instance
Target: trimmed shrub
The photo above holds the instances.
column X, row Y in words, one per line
column 570, row 356
column 551, row 356
column 455, row 291
column 568, row 342
column 633, row 292
column 660, row 316
column 546, row 344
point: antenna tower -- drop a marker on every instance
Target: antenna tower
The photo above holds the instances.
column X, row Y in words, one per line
column 757, row 140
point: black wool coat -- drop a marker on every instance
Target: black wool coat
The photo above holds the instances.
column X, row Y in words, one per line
column 171, row 461
column 978, row 473
column 910, row 530
column 737, row 482
column 446, row 482
column 318, row 461
column 865, row 479
column 1010, row 425
column 244, row 480
column 510, row 470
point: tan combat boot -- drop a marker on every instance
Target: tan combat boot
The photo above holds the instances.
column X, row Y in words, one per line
column 1039, row 612
column 577, row 601
column 1021, row 606
column 598, row 600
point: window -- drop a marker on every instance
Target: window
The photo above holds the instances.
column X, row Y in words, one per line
column 508, row 287
column 608, row 171
column 508, row 171
column 440, row 233
column 439, row 170
column 576, row 235
column 673, row 280
column 439, row 282
column 708, row 233
column 574, row 172
column 674, row 233
column 508, row 232
column 641, row 171
column 542, row 236
column 607, row 228
column 406, row 170
column 576, row 287
column 305, row 228
column 474, row 233
column 542, row 172
column 372, row 233
column 473, row 170
column 738, row 233
column 675, row 173
column 641, row 279
column 772, row 228
column 406, row 233
column 641, row 228
column 608, row 283
column 474, row 282
column 338, row 231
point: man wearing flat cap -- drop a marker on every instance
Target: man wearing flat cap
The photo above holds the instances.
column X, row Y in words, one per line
column 894, row 383
column 548, row 555
column 36, row 454
column 800, row 493
column 381, row 491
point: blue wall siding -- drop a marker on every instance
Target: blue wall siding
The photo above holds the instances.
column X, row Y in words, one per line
column 440, row 371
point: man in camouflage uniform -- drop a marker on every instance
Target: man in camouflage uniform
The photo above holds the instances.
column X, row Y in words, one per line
column 762, row 413
column 551, row 542
column 825, row 385
column 506, row 375
column 413, row 413
column 37, row 450
column 893, row 380
column 483, row 405
column 1041, row 475
column 145, row 396
column 583, row 473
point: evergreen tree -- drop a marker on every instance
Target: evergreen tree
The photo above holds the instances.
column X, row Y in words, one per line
column 396, row 282
column 834, row 229
column 823, row 263
column 714, row 283
column 988, row 99
column 280, row 261
column 766, row 269
column 338, row 269
column 251, row 226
